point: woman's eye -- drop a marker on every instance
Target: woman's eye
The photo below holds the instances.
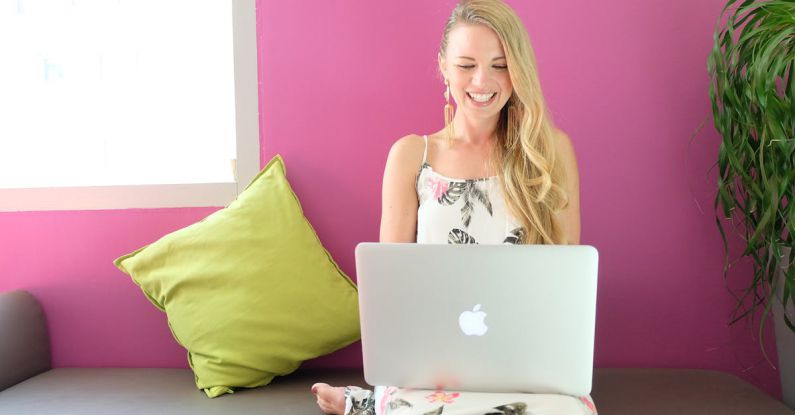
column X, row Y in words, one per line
column 501, row 67
column 466, row 66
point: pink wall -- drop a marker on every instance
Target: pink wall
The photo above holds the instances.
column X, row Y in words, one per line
column 340, row 81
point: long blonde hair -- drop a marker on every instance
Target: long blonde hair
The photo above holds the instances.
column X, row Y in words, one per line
column 524, row 151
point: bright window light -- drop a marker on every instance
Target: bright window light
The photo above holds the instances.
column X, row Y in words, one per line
column 116, row 92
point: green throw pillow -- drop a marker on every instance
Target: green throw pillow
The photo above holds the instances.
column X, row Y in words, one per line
column 249, row 290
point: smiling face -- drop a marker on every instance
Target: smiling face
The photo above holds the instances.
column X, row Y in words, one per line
column 474, row 64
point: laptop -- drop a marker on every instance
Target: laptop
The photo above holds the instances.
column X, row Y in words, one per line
column 486, row 318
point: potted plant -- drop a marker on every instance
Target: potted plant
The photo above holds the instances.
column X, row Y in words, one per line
column 752, row 66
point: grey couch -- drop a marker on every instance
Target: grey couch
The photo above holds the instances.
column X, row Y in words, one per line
column 29, row 386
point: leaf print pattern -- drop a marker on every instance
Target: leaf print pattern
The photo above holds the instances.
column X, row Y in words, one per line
column 466, row 211
column 515, row 237
column 438, row 186
column 453, row 193
column 438, row 411
column 586, row 400
column 481, row 196
column 460, row 237
column 407, row 402
column 386, row 398
column 362, row 402
column 474, row 206
column 516, row 408
column 469, row 191
column 397, row 404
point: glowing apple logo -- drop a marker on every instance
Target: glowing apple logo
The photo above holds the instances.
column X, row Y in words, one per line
column 472, row 323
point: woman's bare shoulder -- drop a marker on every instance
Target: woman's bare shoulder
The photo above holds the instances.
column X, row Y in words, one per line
column 409, row 143
column 407, row 152
column 561, row 138
column 565, row 148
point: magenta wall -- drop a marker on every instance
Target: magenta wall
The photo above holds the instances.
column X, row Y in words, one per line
column 340, row 81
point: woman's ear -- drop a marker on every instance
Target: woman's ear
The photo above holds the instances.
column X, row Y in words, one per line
column 442, row 65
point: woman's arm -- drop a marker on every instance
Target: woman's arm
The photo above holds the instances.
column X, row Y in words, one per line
column 399, row 195
column 569, row 217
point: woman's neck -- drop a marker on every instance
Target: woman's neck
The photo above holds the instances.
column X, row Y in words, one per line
column 474, row 132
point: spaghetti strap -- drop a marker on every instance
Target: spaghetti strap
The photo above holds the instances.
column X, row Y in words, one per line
column 425, row 154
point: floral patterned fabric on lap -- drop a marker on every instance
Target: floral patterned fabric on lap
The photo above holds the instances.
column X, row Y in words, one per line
column 396, row 401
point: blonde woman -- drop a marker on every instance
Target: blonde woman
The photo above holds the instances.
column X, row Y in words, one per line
column 499, row 172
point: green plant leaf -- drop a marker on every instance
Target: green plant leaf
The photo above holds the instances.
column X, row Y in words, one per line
column 751, row 67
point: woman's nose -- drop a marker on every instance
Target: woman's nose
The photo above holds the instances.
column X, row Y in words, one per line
column 479, row 77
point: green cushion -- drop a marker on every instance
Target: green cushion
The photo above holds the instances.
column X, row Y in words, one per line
column 249, row 290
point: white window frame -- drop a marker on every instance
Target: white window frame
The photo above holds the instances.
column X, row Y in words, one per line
column 245, row 167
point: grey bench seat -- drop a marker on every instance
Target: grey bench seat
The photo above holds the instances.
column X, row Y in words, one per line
column 78, row 391
column 172, row 391
column 29, row 387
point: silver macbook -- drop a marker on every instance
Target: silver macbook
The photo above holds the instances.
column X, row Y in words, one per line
column 488, row 318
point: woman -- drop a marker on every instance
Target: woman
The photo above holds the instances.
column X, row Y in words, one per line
column 499, row 172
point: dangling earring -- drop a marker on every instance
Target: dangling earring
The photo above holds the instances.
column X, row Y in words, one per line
column 513, row 132
column 448, row 114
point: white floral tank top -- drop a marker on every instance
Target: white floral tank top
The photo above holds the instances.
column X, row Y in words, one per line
column 462, row 211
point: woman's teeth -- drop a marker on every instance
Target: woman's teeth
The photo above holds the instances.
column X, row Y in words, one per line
column 480, row 97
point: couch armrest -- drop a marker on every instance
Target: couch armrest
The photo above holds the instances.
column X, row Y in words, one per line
column 24, row 342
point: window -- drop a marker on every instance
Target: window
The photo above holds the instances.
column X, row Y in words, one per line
column 126, row 103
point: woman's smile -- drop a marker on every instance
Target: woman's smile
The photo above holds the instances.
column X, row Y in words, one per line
column 481, row 99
